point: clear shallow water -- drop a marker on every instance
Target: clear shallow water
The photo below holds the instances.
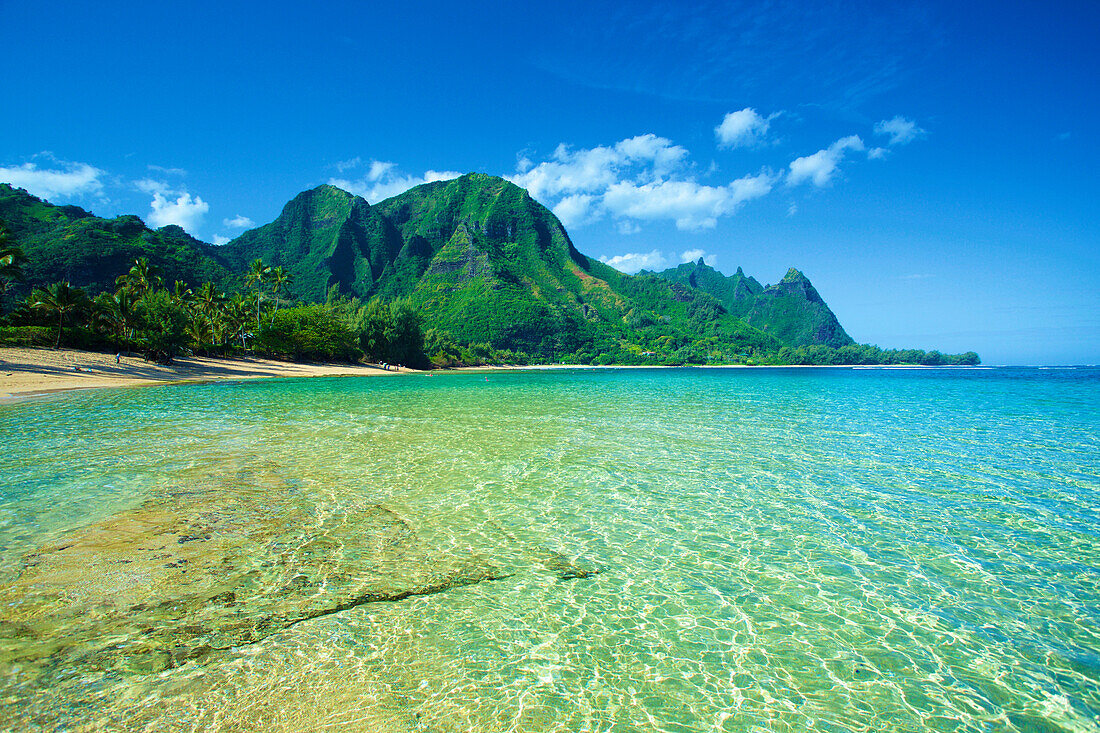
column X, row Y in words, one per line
column 780, row 550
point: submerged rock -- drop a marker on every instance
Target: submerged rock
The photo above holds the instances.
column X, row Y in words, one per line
column 191, row 573
column 566, row 569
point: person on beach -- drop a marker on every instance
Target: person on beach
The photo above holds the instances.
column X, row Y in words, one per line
column 118, row 358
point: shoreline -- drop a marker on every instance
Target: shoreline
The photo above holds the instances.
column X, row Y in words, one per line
column 29, row 372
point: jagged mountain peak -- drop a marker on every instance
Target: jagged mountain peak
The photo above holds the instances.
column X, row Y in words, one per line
column 795, row 276
column 792, row 309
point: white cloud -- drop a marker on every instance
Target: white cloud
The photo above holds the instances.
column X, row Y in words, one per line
column 70, row 180
column 900, row 130
column 382, row 181
column 644, row 158
column 693, row 255
column 792, row 209
column 184, row 211
column 152, row 186
column 239, row 222
column 379, row 169
column 627, row 227
column 634, row 261
column 744, row 128
column 691, row 205
column 576, row 210
column 219, row 240
column 821, row 166
column 877, row 153
column 643, row 178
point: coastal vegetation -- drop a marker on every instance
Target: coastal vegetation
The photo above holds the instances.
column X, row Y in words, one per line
column 467, row 271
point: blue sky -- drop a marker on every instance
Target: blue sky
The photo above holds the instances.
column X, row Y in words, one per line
column 931, row 166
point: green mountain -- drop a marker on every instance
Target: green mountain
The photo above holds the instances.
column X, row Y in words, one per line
column 68, row 243
column 323, row 237
column 736, row 293
column 792, row 310
column 483, row 261
column 477, row 257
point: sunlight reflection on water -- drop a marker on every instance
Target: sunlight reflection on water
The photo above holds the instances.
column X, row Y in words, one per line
column 779, row 550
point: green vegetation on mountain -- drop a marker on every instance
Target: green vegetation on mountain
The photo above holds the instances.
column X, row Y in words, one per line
column 791, row 310
column 66, row 243
column 323, row 237
column 460, row 271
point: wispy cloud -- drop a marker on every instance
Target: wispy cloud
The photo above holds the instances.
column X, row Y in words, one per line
column 820, row 167
column 152, row 186
column 167, row 171
column 382, row 179
column 577, row 210
column 694, row 255
column 710, row 51
column 744, row 128
column 65, row 180
column 900, row 130
column 345, row 165
column 644, row 158
column 634, row 261
column 239, row 222
column 689, row 204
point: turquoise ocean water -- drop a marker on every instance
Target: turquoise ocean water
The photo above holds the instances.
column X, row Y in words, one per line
column 777, row 550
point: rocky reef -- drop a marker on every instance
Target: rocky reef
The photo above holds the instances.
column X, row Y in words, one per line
column 193, row 572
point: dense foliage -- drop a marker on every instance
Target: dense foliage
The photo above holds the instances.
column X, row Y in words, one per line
column 142, row 315
column 66, row 243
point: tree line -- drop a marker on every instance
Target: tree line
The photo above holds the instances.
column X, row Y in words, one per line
column 142, row 314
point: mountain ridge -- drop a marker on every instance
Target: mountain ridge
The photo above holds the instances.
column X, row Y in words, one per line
column 791, row 309
column 480, row 260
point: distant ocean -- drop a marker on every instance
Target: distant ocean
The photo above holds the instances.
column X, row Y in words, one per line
column 574, row 550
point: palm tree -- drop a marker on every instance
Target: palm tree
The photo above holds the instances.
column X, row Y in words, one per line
column 258, row 273
column 59, row 298
column 118, row 312
column 280, row 279
column 237, row 313
column 141, row 278
column 11, row 261
column 209, row 302
column 198, row 329
column 181, row 294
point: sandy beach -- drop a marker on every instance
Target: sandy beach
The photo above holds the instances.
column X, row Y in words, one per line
column 25, row 372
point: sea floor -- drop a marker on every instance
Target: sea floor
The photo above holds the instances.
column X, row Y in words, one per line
column 675, row 550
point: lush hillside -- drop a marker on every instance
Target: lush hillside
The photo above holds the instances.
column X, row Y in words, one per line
column 492, row 264
column 323, row 237
column 791, row 310
column 736, row 293
column 68, row 243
